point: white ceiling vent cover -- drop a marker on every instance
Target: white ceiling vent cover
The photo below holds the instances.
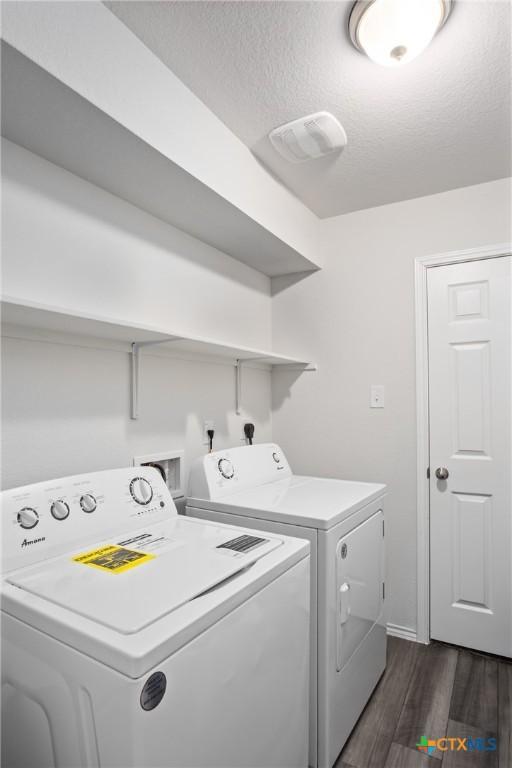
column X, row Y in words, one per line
column 309, row 137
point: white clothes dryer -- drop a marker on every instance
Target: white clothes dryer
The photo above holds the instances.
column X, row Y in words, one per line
column 344, row 521
column 135, row 637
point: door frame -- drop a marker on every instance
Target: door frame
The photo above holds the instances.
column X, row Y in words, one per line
column 421, row 265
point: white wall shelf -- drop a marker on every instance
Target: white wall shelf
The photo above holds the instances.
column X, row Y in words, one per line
column 45, row 116
column 27, row 315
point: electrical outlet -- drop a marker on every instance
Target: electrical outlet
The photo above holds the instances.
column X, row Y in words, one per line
column 206, row 426
column 377, row 396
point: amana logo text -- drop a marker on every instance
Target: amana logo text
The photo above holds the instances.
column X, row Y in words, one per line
column 28, row 542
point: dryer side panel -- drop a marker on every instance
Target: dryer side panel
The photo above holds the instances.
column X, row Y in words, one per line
column 351, row 624
column 359, row 586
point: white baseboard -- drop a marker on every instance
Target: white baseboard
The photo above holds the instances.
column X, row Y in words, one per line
column 406, row 633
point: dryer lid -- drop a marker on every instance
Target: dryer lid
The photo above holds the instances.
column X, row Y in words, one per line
column 128, row 583
column 313, row 502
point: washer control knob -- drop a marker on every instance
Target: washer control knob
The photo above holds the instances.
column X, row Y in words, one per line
column 59, row 510
column 276, row 457
column 141, row 490
column 226, row 468
column 88, row 502
column 28, row 517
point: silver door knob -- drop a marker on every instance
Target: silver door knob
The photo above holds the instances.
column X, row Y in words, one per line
column 442, row 473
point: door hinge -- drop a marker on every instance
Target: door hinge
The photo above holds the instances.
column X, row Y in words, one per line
column 383, row 591
column 383, row 529
column 428, row 473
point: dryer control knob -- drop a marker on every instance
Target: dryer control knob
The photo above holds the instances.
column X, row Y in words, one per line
column 59, row 510
column 28, row 517
column 141, row 490
column 276, row 457
column 226, row 468
column 88, row 502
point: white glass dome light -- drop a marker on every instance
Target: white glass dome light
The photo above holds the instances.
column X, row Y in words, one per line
column 393, row 32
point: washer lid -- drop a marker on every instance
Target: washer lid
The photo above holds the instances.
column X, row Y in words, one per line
column 313, row 502
column 129, row 583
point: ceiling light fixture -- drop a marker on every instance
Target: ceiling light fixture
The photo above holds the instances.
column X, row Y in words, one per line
column 392, row 32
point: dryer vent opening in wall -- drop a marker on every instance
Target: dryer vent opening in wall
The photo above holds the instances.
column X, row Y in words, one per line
column 309, row 137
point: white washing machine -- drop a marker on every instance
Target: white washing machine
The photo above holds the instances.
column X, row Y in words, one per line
column 344, row 521
column 132, row 636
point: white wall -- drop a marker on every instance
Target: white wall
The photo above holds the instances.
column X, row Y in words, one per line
column 69, row 243
column 355, row 318
column 66, row 408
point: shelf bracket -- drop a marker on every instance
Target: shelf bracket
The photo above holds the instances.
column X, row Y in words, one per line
column 238, row 381
column 238, row 386
column 135, row 369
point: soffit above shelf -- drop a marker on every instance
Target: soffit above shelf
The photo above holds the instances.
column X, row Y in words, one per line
column 50, row 119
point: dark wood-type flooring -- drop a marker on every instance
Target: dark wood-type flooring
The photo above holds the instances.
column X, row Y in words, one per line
column 434, row 690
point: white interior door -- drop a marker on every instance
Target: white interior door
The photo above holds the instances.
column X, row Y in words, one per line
column 469, row 337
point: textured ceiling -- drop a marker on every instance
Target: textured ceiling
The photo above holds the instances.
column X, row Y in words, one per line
column 440, row 122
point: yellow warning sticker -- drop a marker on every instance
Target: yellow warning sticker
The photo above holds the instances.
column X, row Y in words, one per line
column 113, row 558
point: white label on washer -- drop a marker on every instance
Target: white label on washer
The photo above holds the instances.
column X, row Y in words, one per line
column 149, row 542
